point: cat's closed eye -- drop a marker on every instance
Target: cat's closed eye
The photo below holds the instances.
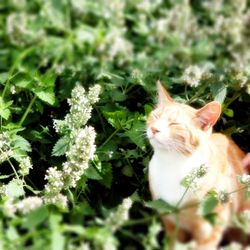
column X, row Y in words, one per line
column 155, row 115
column 174, row 124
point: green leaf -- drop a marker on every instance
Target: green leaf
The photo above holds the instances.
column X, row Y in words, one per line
column 14, row 189
column 76, row 229
column 212, row 218
column 23, row 80
column 57, row 238
column 5, row 113
column 107, row 174
column 46, row 96
column 36, row 217
column 219, row 91
column 207, row 205
column 86, row 34
column 3, row 77
column 135, row 134
column 228, row 112
column 147, row 109
column 22, row 144
column 151, row 241
column 118, row 119
column 54, row 14
column 161, row 206
column 128, row 171
column 101, row 235
column 48, row 80
column 4, row 109
column 6, row 176
column 11, row 233
column 61, row 146
column 13, row 127
column 92, row 173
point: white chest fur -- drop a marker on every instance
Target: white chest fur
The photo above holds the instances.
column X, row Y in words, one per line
column 167, row 170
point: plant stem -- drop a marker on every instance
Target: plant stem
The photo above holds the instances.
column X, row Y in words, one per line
column 237, row 190
column 186, row 93
column 110, row 137
column 190, row 205
column 138, row 221
column 130, row 235
column 13, row 168
column 198, row 93
column 232, row 99
column 27, row 110
column 182, row 197
column 173, row 240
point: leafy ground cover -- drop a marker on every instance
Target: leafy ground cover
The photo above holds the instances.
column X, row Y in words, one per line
column 77, row 81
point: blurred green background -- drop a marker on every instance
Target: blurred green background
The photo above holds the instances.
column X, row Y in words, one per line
column 200, row 50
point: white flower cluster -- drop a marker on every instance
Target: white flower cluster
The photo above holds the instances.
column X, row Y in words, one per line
column 192, row 75
column 244, row 179
column 6, row 153
column 18, row 29
column 56, row 177
column 28, row 204
column 148, row 5
column 80, row 109
column 81, row 148
column 78, row 156
column 121, row 215
column 114, row 11
column 24, row 165
column 242, row 221
column 5, row 148
column 57, row 199
column 178, row 22
column 24, row 206
column 230, row 27
column 115, row 45
column 223, row 196
column 190, row 181
column 213, row 5
column 240, row 74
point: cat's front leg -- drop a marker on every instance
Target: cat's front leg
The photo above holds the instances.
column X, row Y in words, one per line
column 207, row 236
column 175, row 233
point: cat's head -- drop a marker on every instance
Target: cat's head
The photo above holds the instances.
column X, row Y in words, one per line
column 174, row 126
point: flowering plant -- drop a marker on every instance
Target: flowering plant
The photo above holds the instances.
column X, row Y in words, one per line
column 74, row 162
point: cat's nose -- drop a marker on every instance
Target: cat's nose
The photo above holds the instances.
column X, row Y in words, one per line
column 155, row 130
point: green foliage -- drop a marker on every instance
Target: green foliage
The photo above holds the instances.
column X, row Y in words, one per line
column 199, row 49
column 162, row 207
column 61, row 146
column 34, row 218
column 207, row 206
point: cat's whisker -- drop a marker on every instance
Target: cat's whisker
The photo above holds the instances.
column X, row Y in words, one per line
column 175, row 145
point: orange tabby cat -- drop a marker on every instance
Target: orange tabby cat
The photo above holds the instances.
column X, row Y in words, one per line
column 182, row 139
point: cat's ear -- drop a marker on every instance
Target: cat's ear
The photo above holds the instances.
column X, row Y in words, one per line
column 208, row 115
column 163, row 96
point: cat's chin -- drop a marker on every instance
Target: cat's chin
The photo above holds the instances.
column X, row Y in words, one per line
column 157, row 145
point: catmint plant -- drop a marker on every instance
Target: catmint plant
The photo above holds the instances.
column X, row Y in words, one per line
column 81, row 145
